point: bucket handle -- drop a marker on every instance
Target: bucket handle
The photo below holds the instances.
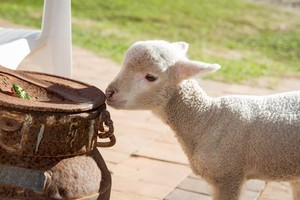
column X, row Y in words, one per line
column 106, row 130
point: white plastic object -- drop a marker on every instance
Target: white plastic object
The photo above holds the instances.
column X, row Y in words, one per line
column 50, row 48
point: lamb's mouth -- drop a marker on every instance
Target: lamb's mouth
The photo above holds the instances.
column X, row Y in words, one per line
column 116, row 104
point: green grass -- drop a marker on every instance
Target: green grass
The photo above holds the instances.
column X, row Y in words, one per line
column 249, row 40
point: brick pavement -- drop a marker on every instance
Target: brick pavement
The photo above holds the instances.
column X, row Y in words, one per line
column 147, row 162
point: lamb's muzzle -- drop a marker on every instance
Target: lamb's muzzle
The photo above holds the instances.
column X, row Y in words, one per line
column 109, row 93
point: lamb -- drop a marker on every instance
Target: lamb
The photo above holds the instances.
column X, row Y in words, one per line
column 227, row 139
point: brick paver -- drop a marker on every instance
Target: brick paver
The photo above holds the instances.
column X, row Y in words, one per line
column 147, row 162
column 195, row 187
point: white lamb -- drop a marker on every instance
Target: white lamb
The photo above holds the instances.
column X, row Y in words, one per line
column 228, row 139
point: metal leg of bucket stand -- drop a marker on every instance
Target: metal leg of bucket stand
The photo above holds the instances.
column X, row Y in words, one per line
column 105, row 185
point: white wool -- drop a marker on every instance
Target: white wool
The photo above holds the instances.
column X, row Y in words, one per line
column 227, row 139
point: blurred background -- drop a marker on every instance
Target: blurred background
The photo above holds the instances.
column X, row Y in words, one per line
column 249, row 38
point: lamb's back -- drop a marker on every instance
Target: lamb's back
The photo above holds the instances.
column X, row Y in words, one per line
column 270, row 108
column 268, row 127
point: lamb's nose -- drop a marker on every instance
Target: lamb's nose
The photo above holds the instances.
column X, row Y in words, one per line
column 109, row 93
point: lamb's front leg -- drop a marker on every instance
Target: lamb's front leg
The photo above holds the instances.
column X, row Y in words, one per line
column 227, row 189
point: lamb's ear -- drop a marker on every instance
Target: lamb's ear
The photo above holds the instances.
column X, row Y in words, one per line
column 186, row 69
column 183, row 46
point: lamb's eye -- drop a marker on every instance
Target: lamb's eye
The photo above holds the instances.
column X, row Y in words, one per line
column 151, row 78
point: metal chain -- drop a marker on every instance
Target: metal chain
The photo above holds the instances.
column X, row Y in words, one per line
column 106, row 130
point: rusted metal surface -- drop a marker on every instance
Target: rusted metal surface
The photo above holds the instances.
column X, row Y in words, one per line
column 79, row 177
column 64, row 117
column 49, row 134
column 48, row 144
column 50, row 93
column 106, row 130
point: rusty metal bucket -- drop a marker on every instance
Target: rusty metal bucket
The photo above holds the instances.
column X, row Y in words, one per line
column 59, row 128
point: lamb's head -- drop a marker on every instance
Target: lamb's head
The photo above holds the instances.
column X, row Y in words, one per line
column 151, row 69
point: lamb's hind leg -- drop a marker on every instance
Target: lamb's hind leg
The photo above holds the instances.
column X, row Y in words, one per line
column 227, row 190
column 295, row 186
